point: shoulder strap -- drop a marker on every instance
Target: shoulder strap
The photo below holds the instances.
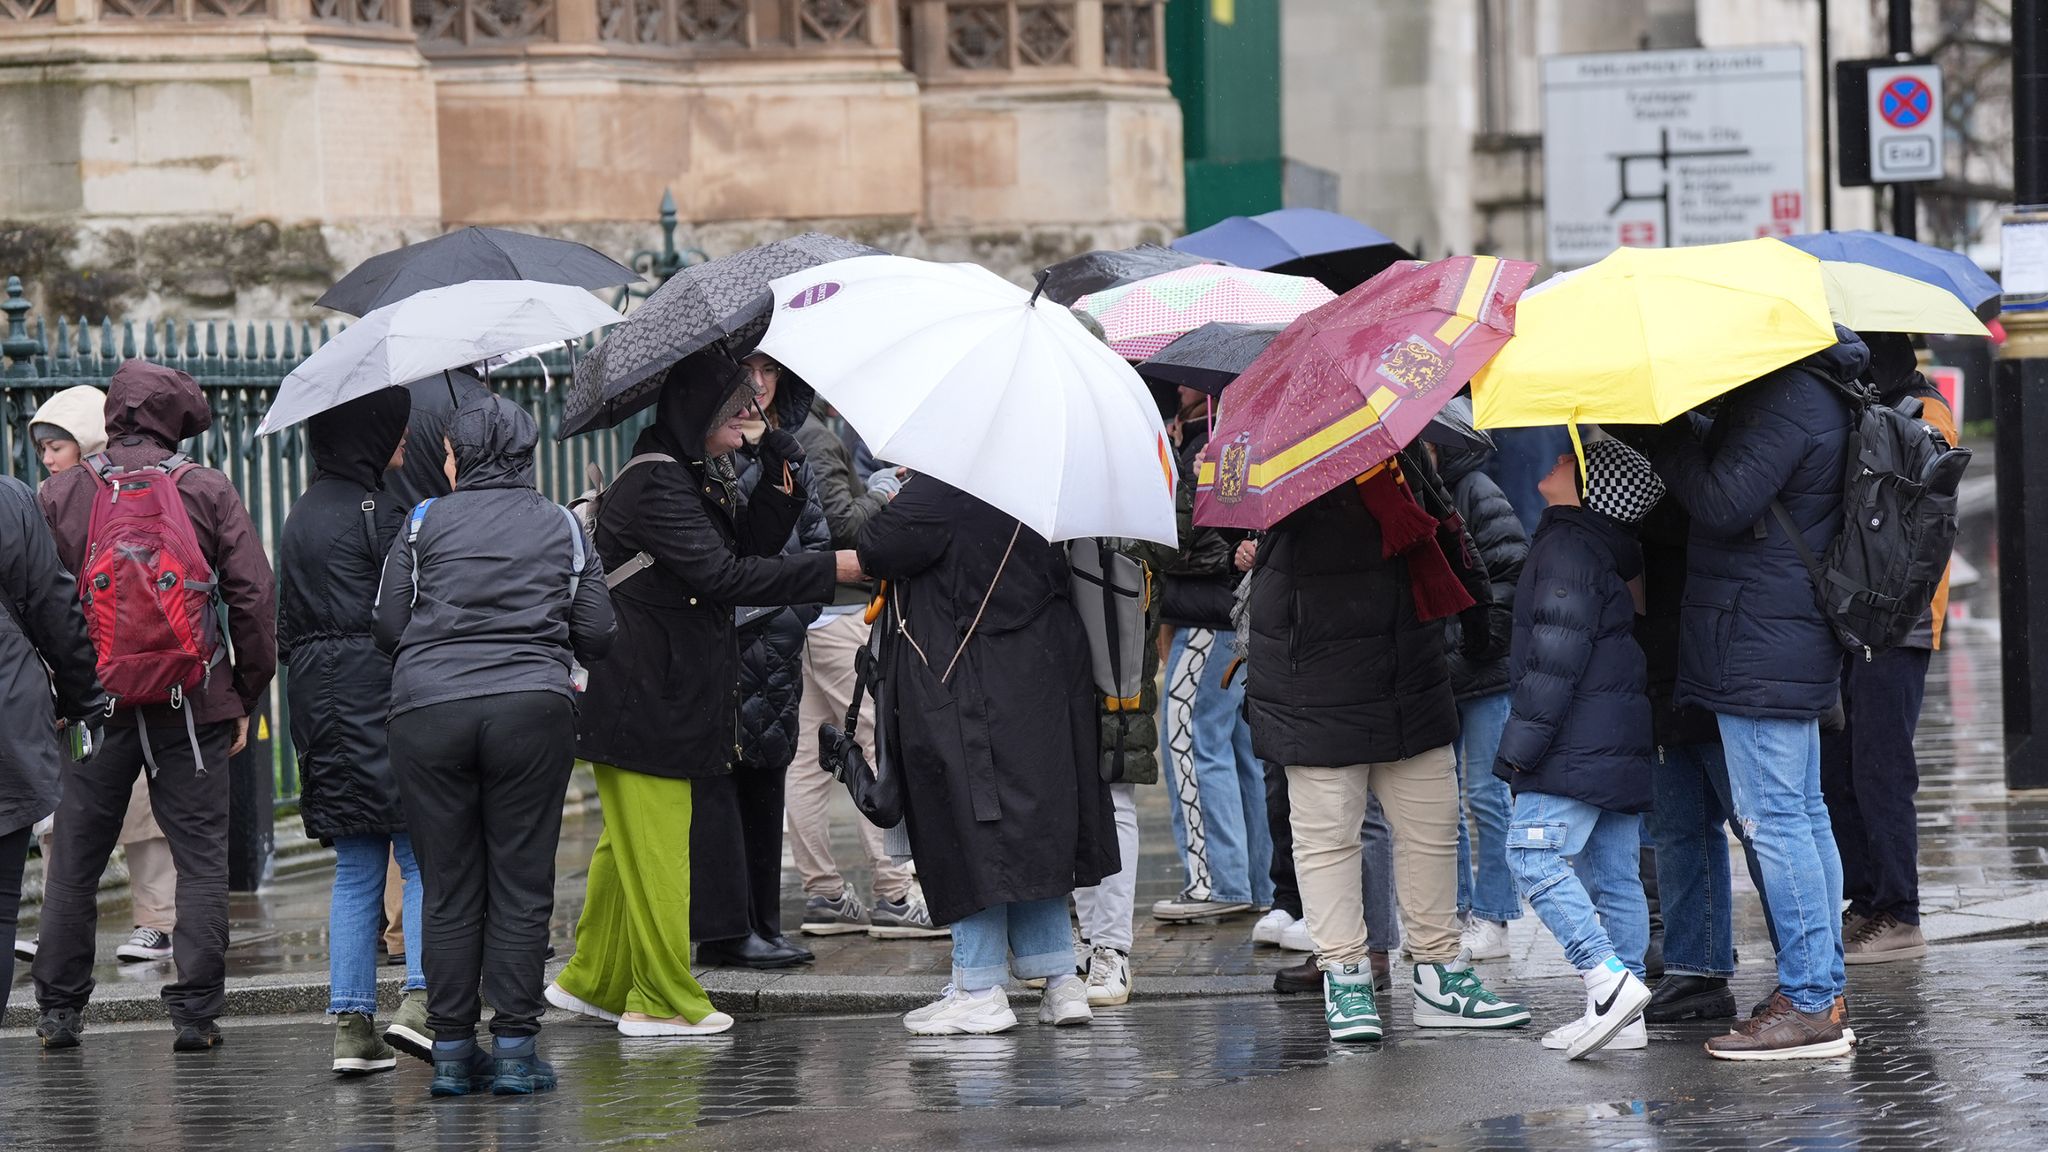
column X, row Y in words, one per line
column 412, row 539
column 947, row 676
column 1806, row 555
column 370, row 522
column 641, row 561
column 575, row 551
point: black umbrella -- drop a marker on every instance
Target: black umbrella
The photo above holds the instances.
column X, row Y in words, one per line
column 1452, row 426
column 1071, row 279
column 1211, row 356
column 472, row 254
column 725, row 299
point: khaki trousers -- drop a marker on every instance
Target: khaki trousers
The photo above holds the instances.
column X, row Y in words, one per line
column 1420, row 798
column 808, row 789
column 394, row 907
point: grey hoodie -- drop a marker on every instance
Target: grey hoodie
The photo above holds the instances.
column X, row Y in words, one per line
column 477, row 602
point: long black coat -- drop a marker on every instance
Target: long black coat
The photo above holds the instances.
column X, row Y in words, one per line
column 1753, row 641
column 666, row 701
column 1004, row 800
column 329, row 559
column 1580, row 725
column 1343, row 672
column 43, row 645
column 1662, row 534
column 1497, row 532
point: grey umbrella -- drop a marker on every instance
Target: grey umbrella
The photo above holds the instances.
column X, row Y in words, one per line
column 724, row 299
column 1073, row 278
column 472, row 254
column 1210, row 357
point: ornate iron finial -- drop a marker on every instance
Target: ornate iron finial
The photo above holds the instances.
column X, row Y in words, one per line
column 20, row 348
column 659, row 265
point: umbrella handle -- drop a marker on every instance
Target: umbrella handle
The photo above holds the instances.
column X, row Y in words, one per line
column 1043, row 276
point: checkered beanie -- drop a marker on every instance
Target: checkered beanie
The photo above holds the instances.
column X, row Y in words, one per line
column 1620, row 482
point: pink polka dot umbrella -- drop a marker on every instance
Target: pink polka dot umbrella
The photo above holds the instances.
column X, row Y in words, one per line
column 1144, row 316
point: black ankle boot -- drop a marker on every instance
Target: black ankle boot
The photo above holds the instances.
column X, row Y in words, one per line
column 1679, row 996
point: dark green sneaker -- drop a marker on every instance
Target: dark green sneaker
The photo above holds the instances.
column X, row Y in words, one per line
column 521, row 1071
column 461, row 1068
column 1348, row 1005
column 357, row 1050
column 1454, row 998
column 407, row 1030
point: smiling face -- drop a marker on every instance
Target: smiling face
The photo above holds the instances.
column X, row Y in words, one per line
column 765, row 375
column 727, row 437
column 1561, row 486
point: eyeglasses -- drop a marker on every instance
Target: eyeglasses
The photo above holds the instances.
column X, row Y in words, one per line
column 765, row 373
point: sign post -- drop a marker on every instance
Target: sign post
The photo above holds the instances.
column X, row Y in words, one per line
column 1654, row 149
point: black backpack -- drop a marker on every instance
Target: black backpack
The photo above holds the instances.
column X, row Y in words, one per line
column 1898, row 525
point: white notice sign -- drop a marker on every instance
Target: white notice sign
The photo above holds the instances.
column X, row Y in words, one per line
column 1655, row 149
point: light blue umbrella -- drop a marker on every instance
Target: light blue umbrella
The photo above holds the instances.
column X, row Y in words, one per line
column 1940, row 267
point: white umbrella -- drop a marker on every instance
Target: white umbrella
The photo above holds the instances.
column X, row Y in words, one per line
column 950, row 370
column 431, row 332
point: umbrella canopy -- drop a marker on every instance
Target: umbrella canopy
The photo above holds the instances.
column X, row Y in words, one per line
column 431, row 332
column 1071, row 279
column 1144, row 316
column 722, row 298
column 1337, row 250
column 1452, row 426
column 1870, row 299
column 1351, row 383
column 472, row 254
column 1210, row 357
column 1645, row 334
column 949, row 369
column 1952, row 272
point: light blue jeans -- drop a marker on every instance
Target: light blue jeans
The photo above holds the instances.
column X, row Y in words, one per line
column 352, row 915
column 1482, row 837
column 1579, row 867
column 1219, row 787
column 1774, row 785
column 1032, row 938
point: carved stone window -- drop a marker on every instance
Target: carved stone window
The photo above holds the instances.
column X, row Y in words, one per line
column 360, row 12
column 456, row 22
column 140, row 10
column 1129, row 34
column 978, row 35
column 28, row 9
column 831, row 21
column 1045, row 34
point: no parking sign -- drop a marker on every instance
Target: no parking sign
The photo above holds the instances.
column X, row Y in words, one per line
column 1905, row 123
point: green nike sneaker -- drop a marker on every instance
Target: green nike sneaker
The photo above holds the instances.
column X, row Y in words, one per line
column 1454, row 998
column 1348, row 1006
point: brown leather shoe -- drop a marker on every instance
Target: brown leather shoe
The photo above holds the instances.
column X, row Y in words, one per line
column 1840, row 1015
column 1783, row 1032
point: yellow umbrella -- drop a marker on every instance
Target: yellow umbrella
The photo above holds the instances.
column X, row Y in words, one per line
column 1871, row 299
column 1646, row 334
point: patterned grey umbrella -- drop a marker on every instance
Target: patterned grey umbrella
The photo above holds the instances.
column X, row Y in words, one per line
column 724, row 299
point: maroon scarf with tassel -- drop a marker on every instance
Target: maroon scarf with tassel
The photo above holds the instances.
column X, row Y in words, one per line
column 1407, row 529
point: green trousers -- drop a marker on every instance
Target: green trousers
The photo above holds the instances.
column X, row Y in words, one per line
column 633, row 940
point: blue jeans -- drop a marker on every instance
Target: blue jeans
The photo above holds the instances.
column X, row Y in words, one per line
column 1690, row 784
column 1219, row 787
column 352, row 915
column 1036, row 933
column 1594, row 904
column 1774, row 785
column 1492, row 897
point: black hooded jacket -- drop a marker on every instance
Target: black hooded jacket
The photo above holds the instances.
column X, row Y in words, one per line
column 329, row 559
column 46, row 661
column 479, row 601
column 1497, row 532
column 434, row 401
column 667, row 702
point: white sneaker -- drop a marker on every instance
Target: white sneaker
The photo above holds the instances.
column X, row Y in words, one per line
column 1270, row 926
column 1635, row 1035
column 1109, row 977
column 1294, row 938
column 1188, row 908
column 957, row 1013
column 560, row 998
column 642, row 1026
column 1065, row 1002
column 1614, row 1000
column 25, row 947
column 1484, row 939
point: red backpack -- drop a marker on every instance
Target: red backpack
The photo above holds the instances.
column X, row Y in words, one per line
column 149, row 594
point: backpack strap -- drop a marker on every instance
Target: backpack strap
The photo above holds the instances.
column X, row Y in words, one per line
column 576, row 553
column 640, row 561
column 412, row 539
column 370, row 522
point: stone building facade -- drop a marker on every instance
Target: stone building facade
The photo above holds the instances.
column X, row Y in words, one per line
column 230, row 157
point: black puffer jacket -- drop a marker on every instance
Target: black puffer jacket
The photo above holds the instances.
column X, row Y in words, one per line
column 772, row 646
column 1197, row 585
column 479, row 604
column 1580, row 726
column 1503, row 545
column 43, row 647
column 1342, row 670
column 328, row 561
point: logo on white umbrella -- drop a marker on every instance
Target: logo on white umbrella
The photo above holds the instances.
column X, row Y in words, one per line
column 815, row 294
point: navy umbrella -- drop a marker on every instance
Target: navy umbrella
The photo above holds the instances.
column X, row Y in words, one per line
column 1071, row 279
column 1952, row 271
column 1335, row 249
column 472, row 254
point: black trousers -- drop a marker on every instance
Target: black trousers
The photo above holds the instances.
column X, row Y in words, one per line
column 736, row 854
column 13, row 858
column 190, row 800
column 1869, row 776
column 483, row 780
column 1280, row 825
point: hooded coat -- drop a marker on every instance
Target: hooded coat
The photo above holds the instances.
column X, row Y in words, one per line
column 772, row 646
column 43, row 647
column 1662, row 534
column 1753, row 641
column 1580, row 723
column 329, row 560
column 667, row 702
column 1503, row 544
column 151, row 410
column 1198, row 584
column 479, row 601
column 434, row 401
column 1003, row 796
column 80, row 413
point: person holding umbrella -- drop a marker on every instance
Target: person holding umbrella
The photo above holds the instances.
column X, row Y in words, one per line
column 662, row 714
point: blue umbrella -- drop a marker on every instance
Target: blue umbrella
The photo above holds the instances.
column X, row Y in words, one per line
column 1337, row 250
column 1951, row 271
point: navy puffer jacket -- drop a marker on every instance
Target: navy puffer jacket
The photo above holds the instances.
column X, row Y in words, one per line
column 1497, row 532
column 1580, row 726
column 1752, row 640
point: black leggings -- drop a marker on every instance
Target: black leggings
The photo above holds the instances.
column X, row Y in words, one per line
column 13, row 858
